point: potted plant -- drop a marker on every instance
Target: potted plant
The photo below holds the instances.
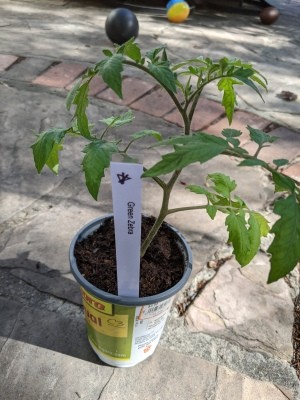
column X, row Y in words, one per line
column 124, row 330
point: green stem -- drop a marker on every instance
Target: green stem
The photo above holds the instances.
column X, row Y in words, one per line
column 171, row 94
column 175, row 210
column 162, row 214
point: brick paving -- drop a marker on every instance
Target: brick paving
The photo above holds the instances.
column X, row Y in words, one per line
column 133, row 89
column 145, row 96
column 6, row 61
column 60, row 75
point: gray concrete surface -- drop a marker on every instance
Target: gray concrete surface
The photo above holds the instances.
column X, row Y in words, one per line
column 235, row 341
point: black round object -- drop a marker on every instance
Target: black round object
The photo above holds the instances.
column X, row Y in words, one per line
column 121, row 25
column 269, row 15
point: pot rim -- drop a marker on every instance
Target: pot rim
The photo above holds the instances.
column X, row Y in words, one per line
column 90, row 227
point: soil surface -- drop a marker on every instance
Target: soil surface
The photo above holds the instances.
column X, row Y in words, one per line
column 161, row 267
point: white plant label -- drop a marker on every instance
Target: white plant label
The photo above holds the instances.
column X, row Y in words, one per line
column 127, row 197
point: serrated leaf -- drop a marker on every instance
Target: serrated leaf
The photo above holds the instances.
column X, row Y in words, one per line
column 97, row 158
column 72, row 93
column 131, row 50
column 223, row 184
column 229, row 99
column 280, row 162
column 251, row 162
column 198, row 189
column 43, row 146
column 231, row 133
column 260, row 137
column 153, row 53
column 146, row 132
column 211, row 211
column 164, row 75
column 244, row 236
column 107, row 52
column 81, row 100
column 285, row 248
column 115, row 122
column 53, row 160
column 282, row 182
column 111, row 72
column 251, row 84
column 199, row 148
column 262, row 222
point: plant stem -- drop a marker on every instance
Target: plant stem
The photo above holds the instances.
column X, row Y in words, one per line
column 162, row 214
column 174, row 210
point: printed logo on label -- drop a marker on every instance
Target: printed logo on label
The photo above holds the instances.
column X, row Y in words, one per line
column 95, row 303
column 109, row 325
column 122, row 178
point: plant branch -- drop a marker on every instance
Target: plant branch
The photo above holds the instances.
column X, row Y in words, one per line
column 159, row 181
column 146, row 70
column 163, row 212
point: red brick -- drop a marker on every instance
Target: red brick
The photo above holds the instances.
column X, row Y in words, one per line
column 206, row 112
column 293, row 171
column 96, row 85
column 157, row 103
column 132, row 89
column 60, row 75
column 287, row 146
column 6, row 61
column 240, row 121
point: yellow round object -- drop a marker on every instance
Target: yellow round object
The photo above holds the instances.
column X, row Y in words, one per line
column 178, row 12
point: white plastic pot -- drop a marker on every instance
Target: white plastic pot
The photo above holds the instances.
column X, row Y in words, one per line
column 124, row 331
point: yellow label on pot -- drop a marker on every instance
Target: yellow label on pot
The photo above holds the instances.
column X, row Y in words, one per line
column 97, row 304
column 111, row 325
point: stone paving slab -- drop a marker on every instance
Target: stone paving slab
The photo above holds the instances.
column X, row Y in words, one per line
column 80, row 34
column 218, row 354
column 32, row 372
column 238, row 305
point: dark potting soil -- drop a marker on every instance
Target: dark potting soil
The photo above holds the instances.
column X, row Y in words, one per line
column 161, row 267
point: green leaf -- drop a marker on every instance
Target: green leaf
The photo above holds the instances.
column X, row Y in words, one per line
column 115, row 122
column 260, row 137
column 81, row 100
column 285, row 248
column 107, row 52
column 146, row 132
column 229, row 99
column 249, row 83
column 231, row 135
column 53, row 160
column 262, row 222
column 211, row 211
column 200, row 148
column 223, row 184
column 46, row 146
column 198, row 189
column 251, row 162
column 97, row 158
column 280, row 162
column 153, row 53
column 72, row 93
column 282, row 182
column 244, row 236
column 164, row 75
column 132, row 50
column 111, row 72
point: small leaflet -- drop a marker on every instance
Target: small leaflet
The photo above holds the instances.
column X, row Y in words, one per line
column 127, row 196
